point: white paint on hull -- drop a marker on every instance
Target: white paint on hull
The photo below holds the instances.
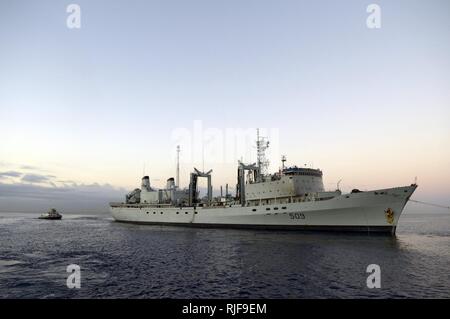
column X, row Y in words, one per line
column 365, row 209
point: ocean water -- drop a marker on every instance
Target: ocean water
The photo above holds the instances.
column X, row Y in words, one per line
column 131, row 261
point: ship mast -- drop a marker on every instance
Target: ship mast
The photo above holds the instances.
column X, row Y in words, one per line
column 178, row 167
column 261, row 146
column 283, row 160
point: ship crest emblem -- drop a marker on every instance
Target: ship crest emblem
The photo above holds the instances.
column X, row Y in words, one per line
column 389, row 213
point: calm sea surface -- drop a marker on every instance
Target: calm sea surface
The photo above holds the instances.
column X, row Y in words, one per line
column 130, row 261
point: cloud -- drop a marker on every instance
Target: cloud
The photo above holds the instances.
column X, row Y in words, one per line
column 10, row 174
column 79, row 198
column 67, row 182
column 36, row 178
column 29, row 167
column 34, row 191
column 4, row 164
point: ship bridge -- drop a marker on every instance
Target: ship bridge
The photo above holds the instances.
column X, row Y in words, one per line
column 294, row 170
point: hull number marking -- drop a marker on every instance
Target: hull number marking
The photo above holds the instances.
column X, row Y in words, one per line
column 296, row 216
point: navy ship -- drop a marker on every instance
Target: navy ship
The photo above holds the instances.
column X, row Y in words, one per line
column 293, row 198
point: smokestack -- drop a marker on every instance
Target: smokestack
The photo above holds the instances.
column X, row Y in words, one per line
column 226, row 190
column 170, row 183
column 221, row 193
column 145, row 183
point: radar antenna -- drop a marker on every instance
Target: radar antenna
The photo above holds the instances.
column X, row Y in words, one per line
column 283, row 160
column 262, row 144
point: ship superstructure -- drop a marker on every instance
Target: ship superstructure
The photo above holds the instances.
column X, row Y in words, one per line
column 292, row 198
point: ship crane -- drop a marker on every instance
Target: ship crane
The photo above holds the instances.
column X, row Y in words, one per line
column 240, row 187
column 193, row 186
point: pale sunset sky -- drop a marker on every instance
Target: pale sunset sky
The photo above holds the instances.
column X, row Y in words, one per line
column 90, row 109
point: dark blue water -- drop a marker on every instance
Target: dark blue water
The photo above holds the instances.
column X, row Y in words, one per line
column 128, row 261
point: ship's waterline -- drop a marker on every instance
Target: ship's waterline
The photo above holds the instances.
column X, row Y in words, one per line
column 293, row 198
column 375, row 211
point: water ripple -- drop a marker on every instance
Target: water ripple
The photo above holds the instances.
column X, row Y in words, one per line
column 129, row 261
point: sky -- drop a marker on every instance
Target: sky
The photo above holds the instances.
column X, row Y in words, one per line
column 96, row 107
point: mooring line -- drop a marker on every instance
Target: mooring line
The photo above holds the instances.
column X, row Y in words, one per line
column 431, row 204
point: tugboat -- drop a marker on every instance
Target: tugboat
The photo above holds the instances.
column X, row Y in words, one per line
column 51, row 214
